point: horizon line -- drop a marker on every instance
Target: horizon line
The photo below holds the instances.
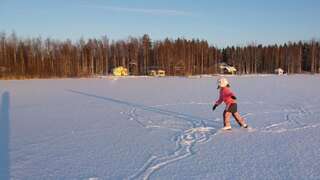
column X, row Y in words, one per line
column 74, row 40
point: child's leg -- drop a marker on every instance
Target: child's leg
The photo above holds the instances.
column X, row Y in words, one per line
column 238, row 118
column 226, row 119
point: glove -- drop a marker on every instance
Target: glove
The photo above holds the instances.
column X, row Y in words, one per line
column 233, row 97
column 214, row 107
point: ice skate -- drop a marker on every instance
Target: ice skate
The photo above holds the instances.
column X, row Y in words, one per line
column 226, row 128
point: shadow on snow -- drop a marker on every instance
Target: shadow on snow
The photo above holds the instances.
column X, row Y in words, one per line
column 196, row 121
column 4, row 136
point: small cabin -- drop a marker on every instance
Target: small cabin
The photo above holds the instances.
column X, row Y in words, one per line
column 279, row 71
column 227, row 69
column 120, row 71
column 179, row 68
column 152, row 73
column 158, row 73
column 161, row 73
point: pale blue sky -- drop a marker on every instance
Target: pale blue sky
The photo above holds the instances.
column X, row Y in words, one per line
column 224, row 22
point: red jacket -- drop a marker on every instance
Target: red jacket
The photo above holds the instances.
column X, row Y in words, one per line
column 225, row 96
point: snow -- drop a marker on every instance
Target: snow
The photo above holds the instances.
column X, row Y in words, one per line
column 159, row 128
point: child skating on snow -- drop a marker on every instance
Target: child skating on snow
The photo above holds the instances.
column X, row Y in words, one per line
column 228, row 97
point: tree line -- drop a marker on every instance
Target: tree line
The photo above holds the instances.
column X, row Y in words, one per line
column 45, row 58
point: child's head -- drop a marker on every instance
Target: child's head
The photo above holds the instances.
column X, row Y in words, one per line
column 223, row 82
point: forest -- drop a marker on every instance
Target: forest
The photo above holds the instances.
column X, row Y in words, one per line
column 51, row 58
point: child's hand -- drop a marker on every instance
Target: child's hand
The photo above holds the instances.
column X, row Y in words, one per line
column 214, row 107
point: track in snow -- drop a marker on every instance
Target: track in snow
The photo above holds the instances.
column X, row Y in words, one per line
column 295, row 119
column 197, row 132
column 193, row 130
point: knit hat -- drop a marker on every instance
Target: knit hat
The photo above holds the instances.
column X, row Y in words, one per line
column 222, row 82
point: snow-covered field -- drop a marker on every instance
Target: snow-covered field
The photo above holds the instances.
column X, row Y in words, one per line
column 159, row 128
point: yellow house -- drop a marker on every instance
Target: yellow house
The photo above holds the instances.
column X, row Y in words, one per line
column 120, row 71
column 227, row 69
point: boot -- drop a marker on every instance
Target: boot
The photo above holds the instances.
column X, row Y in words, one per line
column 245, row 126
column 227, row 128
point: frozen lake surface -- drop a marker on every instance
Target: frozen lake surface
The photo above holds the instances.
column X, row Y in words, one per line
column 159, row 128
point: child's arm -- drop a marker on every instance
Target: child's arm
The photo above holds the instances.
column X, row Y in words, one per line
column 218, row 102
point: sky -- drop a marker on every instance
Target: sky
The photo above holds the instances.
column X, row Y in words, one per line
column 222, row 23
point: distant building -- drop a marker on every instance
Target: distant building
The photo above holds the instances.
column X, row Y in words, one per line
column 152, row 73
column 161, row 73
column 120, row 71
column 179, row 68
column 279, row 71
column 227, row 69
column 158, row 73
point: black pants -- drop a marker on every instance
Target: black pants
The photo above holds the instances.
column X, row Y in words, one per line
column 232, row 108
